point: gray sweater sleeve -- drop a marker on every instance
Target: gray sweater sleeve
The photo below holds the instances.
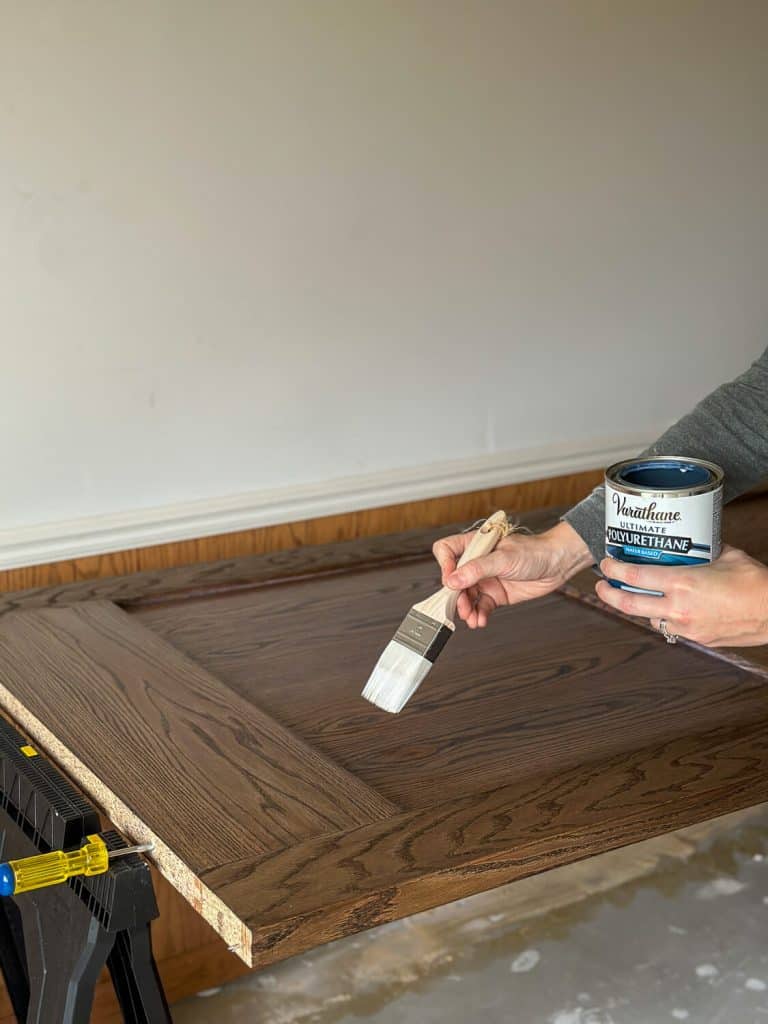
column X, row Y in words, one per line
column 729, row 427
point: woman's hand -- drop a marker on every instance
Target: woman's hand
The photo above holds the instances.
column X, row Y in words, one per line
column 520, row 568
column 724, row 604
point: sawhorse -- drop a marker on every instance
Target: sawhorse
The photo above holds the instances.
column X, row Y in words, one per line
column 54, row 942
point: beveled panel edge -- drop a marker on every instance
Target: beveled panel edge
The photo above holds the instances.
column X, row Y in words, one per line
column 252, row 571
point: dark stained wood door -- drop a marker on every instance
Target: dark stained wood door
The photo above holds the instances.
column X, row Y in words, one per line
column 218, row 712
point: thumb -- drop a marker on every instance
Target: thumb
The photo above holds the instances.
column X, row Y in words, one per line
column 494, row 564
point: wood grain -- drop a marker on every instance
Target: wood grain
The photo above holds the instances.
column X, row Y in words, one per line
column 559, row 732
column 449, row 850
column 171, row 754
column 251, row 572
column 519, row 698
column 224, row 775
column 424, row 514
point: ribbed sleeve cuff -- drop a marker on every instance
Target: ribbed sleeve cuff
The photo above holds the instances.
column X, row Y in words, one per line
column 588, row 520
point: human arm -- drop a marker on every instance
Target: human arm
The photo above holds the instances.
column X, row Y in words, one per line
column 729, row 427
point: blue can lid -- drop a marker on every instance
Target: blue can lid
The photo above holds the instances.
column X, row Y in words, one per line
column 7, row 880
column 665, row 474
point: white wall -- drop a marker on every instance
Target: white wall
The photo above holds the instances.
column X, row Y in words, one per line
column 250, row 247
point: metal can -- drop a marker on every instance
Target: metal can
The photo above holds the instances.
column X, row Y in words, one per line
column 663, row 510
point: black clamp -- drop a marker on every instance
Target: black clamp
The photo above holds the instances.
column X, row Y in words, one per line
column 55, row 941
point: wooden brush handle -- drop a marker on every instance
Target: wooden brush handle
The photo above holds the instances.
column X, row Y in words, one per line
column 442, row 605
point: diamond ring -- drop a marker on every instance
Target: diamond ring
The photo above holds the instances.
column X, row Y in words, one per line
column 671, row 638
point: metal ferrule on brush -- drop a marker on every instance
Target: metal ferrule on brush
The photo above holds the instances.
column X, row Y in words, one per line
column 422, row 634
column 410, row 654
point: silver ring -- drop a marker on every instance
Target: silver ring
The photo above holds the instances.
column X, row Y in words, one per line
column 671, row 638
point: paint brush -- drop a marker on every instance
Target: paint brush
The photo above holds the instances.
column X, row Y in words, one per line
column 424, row 631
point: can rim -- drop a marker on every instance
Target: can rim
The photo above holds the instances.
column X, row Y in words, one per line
column 715, row 483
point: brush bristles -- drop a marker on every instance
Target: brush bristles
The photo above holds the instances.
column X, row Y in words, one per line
column 397, row 676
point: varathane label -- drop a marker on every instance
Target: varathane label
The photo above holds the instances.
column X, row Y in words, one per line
column 664, row 530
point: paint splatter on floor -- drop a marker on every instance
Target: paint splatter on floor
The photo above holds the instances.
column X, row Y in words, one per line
column 526, row 961
column 706, row 971
column 579, row 1015
column 719, row 887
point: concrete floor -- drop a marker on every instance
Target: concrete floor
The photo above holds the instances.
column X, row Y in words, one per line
column 675, row 929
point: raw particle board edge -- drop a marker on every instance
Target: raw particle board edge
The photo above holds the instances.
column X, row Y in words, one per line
column 226, row 777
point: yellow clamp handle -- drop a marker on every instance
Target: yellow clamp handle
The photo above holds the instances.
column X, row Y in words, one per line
column 56, row 867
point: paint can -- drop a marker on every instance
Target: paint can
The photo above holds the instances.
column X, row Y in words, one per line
column 663, row 510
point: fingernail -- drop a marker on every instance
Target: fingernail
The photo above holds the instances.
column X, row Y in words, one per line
column 454, row 580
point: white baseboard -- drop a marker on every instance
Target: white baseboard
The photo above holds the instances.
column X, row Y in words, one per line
column 100, row 534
